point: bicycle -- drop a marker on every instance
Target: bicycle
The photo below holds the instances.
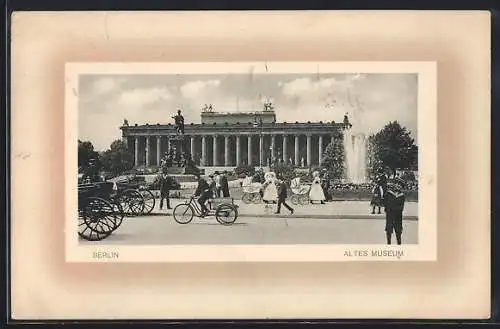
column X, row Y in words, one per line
column 225, row 213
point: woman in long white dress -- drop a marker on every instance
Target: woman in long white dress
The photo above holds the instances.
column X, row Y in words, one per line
column 316, row 192
column 270, row 190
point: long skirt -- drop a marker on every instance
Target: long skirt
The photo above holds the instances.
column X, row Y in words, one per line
column 270, row 193
column 316, row 193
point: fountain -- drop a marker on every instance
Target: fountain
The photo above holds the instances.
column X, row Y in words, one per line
column 355, row 147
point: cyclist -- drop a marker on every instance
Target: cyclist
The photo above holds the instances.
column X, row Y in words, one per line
column 203, row 192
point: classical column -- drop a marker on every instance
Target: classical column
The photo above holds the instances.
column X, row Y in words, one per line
column 308, row 150
column 136, row 151
column 249, row 149
column 214, row 151
column 320, row 148
column 158, row 150
column 238, row 151
column 147, row 150
column 203, row 150
column 261, row 150
column 332, row 139
column 297, row 160
column 168, row 144
column 273, row 147
column 191, row 151
column 226, row 150
column 284, row 149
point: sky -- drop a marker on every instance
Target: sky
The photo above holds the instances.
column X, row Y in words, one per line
column 371, row 100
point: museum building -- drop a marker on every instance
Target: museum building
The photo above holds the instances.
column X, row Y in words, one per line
column 229, row 139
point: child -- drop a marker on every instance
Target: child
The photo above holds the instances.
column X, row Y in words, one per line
column 378, row 195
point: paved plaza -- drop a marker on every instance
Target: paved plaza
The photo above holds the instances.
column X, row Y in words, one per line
column 347, row 222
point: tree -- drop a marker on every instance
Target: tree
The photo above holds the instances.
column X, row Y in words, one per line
column 85, row 153
column 334, row 158
column 285, row 171
column 393, row 148
column 117, row 159
column 244, row 170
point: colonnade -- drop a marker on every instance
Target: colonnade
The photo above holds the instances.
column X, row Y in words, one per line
column 229, row 149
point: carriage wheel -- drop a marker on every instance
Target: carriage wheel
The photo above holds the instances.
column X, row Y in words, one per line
column 100, row 215
column 149, row 201
column 226, row 214
column 295, row 199
column 96, row 221
column 119, row 213
column 183, row 213
column 131, row 202
column 256, row 198
column 304, row 199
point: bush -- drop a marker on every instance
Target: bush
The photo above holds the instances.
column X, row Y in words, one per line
column 285, row 171
column 244, row 170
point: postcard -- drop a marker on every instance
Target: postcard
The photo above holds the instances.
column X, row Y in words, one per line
column 251, row 161
column 254, row 165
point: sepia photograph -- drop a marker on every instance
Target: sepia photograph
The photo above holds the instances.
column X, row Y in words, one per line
column 254, row 156
column 165, row 160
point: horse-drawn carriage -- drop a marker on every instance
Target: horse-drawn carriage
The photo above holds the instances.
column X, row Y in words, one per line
column 99, row 211
column 136, row 187
column 103, row 205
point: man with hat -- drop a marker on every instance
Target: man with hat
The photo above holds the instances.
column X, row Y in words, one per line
column 282, row 195
column 165, row 183
column 394, row 200
column 203, row 192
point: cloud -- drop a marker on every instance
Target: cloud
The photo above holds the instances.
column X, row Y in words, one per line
column 104, row 86
column 140, row 98
column 370, row 101
column 195, row 89
column 382, row 98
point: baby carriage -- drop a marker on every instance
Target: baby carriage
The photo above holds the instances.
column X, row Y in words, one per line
column 300, row 192
column 251, row 191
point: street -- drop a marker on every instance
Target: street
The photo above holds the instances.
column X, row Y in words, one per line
column 264, row 228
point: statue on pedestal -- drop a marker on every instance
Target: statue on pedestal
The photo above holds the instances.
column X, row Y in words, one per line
column 346, row 119
column 207, row 108
column 268, row 106
column 179, row 122
column 125, row 122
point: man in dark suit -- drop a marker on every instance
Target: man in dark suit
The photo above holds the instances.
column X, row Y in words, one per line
column 203, row 192
column 282, row 195
column 394, row 200
column 224, row 184
column 165, row 183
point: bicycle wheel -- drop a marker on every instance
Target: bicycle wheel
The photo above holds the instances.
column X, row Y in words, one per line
column 149, row 201
column 295, row 199
column 183, row 213
column 226, row 214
